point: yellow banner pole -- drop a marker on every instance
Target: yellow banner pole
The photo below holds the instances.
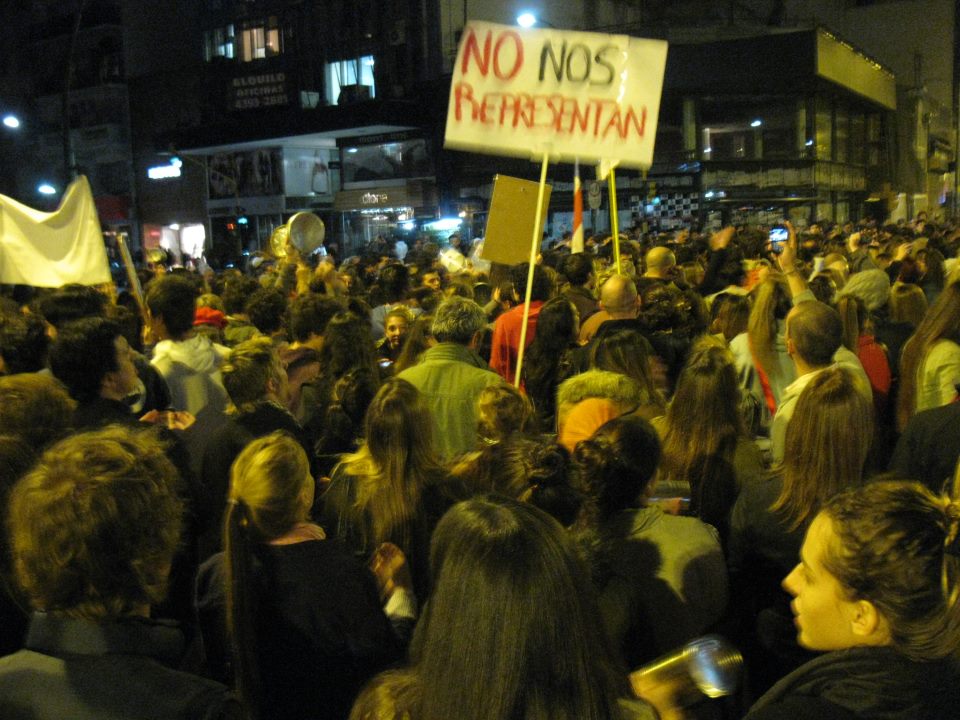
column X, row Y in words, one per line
column 612, row 185
column 534, row 250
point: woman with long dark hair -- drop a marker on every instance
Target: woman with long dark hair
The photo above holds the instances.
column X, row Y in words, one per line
column 511, row 631
column 290, row 618
column 348, row 350
column 707, row 454
column 547, row 360
column 626, row 351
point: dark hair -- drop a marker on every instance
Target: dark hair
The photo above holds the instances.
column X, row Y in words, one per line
column 266, row 309
column 347, row 344
column 72, row 302
column 236, row 292
column 529, row 468
column 658, row 309
column 576, row 268
column 556, row 328
column 702, row 429
column 909, row 271
column 730, row 315
column 173, row 299
column 894, row 549
column 85, row 351
column 310, row 314
column 613, row 468
column 626, row 351
column 343, row 421
column 394, row 280
column 504, row 564
column 823, row 288
column 23, row 343
column 542, row 287
column 935, row 273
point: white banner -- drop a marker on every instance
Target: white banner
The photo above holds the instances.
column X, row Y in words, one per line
column 564, row 93
column 52, row 249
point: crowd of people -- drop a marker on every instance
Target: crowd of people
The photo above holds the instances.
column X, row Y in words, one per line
column 321, row 490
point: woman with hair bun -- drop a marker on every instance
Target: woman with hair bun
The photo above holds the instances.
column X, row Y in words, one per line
column 661, row 578
column 295, row 620
column 878, row 589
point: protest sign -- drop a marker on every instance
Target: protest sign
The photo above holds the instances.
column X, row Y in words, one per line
column 558, row 93
column 512, row 219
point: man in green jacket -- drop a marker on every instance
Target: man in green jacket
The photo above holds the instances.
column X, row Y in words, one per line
column 451, row 375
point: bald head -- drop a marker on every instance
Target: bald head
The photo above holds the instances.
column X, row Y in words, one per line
column 660, row 261
column 618, row 297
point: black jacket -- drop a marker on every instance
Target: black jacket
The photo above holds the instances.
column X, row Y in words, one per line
column 868, row 683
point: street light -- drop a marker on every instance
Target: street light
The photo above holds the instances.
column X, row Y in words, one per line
column 11, row 121
column 46, row 189
column 526, row 20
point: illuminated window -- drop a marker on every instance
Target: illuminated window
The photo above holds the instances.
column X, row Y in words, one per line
column 260, row 39
column 352, row 74
column 218, row 43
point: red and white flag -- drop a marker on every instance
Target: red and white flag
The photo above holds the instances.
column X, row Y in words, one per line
column 576, row 242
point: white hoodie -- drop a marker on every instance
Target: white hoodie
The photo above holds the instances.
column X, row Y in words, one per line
column 191, row 368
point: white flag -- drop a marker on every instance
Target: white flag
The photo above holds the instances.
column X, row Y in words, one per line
column 52, row 249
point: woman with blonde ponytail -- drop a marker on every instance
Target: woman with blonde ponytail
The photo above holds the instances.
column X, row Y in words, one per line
column 877, row 587
column 292, row 620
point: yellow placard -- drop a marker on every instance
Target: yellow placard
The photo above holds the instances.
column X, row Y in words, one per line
column 510, row 222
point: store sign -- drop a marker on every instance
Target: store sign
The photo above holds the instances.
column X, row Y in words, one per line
column 568, row 94
column 253, row 92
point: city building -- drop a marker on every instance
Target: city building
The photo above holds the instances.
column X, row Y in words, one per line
column 205, row 124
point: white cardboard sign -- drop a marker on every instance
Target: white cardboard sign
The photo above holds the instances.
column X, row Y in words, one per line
column 564, row 93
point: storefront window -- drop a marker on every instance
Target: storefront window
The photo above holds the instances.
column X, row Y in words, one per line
column 361, row 228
